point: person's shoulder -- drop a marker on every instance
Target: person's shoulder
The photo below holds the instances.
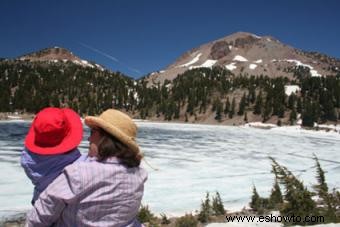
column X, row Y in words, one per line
column 81, row 165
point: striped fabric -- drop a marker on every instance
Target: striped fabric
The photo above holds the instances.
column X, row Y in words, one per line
column 91, row 194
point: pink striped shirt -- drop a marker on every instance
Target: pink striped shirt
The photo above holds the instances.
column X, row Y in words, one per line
column 91, row 194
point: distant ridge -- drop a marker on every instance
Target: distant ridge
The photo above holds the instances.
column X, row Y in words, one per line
column 246, row 53
column 57, row 54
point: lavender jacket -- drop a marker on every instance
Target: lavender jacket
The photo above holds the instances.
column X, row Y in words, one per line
column 91, row 194
column 43, row 169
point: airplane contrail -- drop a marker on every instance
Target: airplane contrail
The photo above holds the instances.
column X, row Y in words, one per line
column 109, row 57
column 99, row 52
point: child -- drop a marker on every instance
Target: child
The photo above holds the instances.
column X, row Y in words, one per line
column 50, row 145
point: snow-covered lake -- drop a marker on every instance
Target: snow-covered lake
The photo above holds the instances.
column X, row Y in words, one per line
column 193, row 160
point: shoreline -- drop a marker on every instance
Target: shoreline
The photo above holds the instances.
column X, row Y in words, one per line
column 335, row 128
column 7, row 116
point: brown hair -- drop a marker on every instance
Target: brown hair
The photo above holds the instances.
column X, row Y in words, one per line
column 109, row 146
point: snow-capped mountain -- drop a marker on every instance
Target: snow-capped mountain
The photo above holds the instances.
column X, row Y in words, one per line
column 250, row 54
column 58, row 54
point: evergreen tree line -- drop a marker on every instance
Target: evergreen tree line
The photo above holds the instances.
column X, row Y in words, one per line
column 200, row 90
column 29, row 86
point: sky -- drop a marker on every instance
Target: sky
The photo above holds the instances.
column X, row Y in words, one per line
column 137, row 37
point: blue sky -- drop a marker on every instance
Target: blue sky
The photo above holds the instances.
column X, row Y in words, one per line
column 141, row 36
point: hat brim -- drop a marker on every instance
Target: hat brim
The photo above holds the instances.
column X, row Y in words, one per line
column 112, row 130
column 71, row 140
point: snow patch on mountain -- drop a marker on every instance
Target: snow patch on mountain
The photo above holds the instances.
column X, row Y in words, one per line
column 231, row 66
column 256, row 36
column 252, row 66
column 99, row 67
column 240, row 58
column 83, row 63
column 289, row 89
column 207, row 64
column 86, row 63
column 313, row 72
column 195, row 59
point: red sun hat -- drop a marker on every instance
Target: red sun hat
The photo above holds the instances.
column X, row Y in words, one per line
column 54, row 131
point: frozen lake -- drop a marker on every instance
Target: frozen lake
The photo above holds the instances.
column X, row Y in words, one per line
column 192, row 160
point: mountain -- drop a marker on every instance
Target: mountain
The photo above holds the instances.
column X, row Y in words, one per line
column 246, row 53
column 57, row 77
column 57, row 54
column 238, row 79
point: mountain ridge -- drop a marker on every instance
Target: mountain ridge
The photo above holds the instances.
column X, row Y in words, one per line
column 57, row 54
column 247, row 53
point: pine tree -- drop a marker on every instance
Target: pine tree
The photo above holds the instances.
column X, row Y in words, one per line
column 177, row 110
column 258, row 104
column 218, row 107
column 266, row 111
column 259, row 204
column 299, row 106
column 190, row 107
column 242, row 105
column 298, row 200
column 291, row 101
column 329, row 111
column 308, row 115
column 4, row 99
column 327, row 200
column 255, row 203
column 232, row 109
column 165, row 220
column 292, row 116
column 217, row 205
column 321, row 188
column 206, row 210
column 278, row 98
column 275, row 199
column 227, row 107
column 145, row 215
column 251, row 95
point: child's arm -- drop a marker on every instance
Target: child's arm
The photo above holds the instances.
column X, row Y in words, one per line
column 52, row 201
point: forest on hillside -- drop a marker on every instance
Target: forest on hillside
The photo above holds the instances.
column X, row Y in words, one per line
column 29, row 86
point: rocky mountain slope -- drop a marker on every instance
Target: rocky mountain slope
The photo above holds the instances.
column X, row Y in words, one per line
column 57, row 54
column 246, row 53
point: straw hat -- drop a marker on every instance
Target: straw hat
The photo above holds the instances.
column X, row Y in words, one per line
column 54, row 131
column 117, row 124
